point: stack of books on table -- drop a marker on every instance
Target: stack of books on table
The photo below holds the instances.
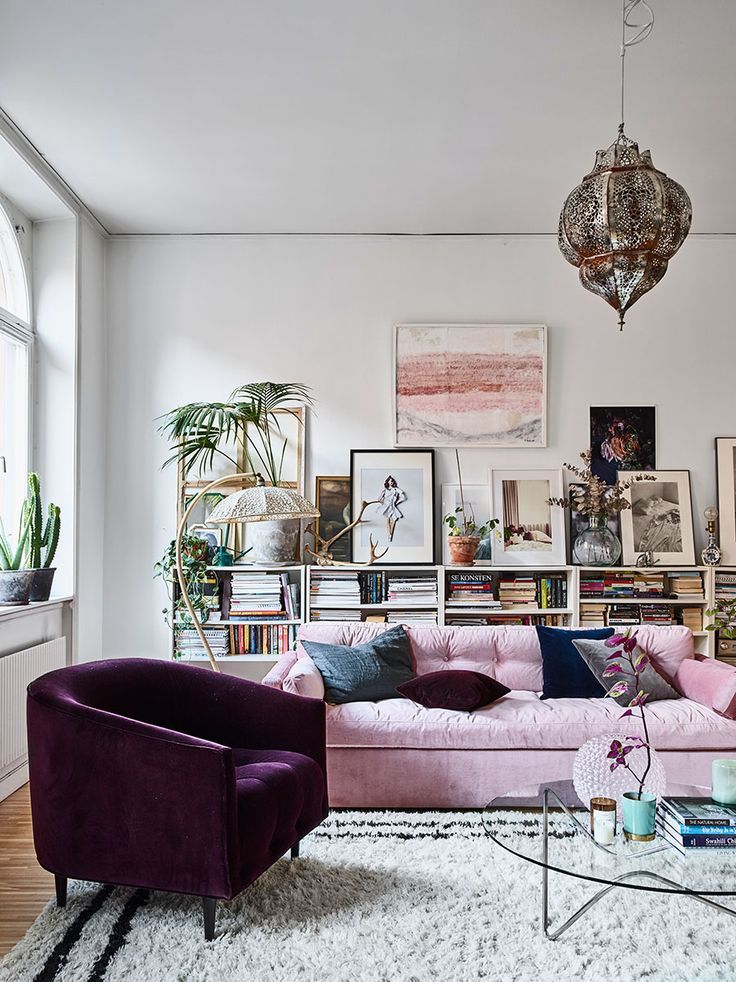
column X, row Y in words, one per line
column 517, row 591
column 261, row 597
column 593, row 615
column 411, row 590
column 471, row 588
column 648, row 585
column 689, row 824
column 188, row 644
column 687, row 586
column 692, row 617
column 332, row 590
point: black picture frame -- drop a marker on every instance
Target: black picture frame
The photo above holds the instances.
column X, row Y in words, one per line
column 637, row 425
column 392, row 557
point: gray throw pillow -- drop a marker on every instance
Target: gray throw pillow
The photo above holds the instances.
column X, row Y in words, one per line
column 366, row 672
column 595, row 655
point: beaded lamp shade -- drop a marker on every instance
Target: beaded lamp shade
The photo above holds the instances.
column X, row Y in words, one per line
column 261, row 504
column 623, row 224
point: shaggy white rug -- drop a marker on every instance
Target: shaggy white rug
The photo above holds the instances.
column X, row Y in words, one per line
column 381, row 897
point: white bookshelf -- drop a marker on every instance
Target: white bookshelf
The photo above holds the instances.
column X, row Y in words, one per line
column 316, row 573
column 559, row 616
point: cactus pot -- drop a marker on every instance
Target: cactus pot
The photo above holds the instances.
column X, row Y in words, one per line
column 42, row 580
column 15, row 586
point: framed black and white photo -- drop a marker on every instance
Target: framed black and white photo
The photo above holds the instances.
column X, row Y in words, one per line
column 579, row 523
column 477, row 501
column 726, row 462
column 399, row 484
column 533, row 530
column 660, row 519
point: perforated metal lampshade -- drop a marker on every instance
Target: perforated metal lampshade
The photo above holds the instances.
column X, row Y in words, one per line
column 262, row 504
column 623, row 224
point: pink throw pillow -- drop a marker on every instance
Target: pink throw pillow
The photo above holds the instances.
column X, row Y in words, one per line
column 304, row 679
column 709, row 682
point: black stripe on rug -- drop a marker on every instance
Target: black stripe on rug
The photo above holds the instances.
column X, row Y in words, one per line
column 60, row 952
column 118, row 934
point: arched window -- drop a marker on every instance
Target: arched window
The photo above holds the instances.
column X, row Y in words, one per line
column 16, row 340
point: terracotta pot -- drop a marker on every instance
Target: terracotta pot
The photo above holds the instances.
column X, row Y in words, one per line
column 463, row 549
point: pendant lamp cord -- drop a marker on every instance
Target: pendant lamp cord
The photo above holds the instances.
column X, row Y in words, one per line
column 642, row 30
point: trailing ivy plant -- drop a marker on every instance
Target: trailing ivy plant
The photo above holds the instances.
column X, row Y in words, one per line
column 724, row 618
column 194, row 556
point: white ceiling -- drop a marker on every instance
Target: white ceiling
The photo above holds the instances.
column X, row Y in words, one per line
column 362, row 115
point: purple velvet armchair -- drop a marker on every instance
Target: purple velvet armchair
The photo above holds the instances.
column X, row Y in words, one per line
column 153, row 774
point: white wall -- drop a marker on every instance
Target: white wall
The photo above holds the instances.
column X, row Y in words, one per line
column 191, row 318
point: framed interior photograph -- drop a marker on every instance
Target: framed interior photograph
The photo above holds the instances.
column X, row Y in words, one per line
column 622, row 438
column 470, row 385
column 477, row 500
column 660, row 519
column 332, row 498
column 726, row 463
column 399, row 484
column 533, row 530
column 579, row 523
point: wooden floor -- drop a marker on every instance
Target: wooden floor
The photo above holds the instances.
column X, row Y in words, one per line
column 24, row 886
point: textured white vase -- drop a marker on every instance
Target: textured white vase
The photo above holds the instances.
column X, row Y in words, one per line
column 274, row 542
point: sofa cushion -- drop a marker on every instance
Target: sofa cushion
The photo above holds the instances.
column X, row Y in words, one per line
column 597, row 656
column 564, row 671
column 304, row 679
column 461, row 690
column 366, row 671
column 523, row 721
column 709, row 682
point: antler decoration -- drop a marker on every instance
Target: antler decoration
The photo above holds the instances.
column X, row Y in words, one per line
column 323, row 555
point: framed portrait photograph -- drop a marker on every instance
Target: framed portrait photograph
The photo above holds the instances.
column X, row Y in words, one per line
column 579, row 523
column 470, row 385
column 332, row 498
column 726, row 464
column 622, row 438
column 477, row 499
column 660, row 519
column 399, row 484
column 533, row 530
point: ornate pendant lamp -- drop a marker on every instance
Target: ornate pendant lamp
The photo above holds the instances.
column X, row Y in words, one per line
column 627, row 219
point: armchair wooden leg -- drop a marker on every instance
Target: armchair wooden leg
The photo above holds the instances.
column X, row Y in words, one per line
column 60, row 890
column 295, row 850
column 208, row 910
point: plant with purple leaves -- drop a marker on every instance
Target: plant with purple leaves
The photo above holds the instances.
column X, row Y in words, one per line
column 628, row 660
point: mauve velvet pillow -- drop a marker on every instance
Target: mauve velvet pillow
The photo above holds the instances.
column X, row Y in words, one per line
column 453, row 689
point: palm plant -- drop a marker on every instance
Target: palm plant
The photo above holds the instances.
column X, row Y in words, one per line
column 248, row 420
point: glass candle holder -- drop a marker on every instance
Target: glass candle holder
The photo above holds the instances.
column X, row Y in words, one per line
column 724, row 782
column 603, row 820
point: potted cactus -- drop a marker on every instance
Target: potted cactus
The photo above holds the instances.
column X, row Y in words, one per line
column 42, row 540
column 15, row 581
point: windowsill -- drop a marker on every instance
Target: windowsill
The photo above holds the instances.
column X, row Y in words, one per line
column 28, row 610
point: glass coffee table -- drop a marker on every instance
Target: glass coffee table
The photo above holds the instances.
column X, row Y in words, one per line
column 552, row 831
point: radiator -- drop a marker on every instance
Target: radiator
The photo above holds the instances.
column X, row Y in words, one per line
column 16, row 672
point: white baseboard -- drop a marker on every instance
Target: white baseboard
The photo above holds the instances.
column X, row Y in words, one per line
column 11, row 782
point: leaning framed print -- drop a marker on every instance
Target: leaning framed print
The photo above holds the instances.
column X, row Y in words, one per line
column 726, row 462
column 660, row 520
column 533, row 529
column 332, row 498
column 477, row 501
column 470, row 385
column 398, row 522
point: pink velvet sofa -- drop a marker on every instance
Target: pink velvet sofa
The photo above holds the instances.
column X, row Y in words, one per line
column 397, row 754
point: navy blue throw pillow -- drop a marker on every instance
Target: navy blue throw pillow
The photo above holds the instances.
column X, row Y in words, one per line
column 366, row 672
column 564, row 672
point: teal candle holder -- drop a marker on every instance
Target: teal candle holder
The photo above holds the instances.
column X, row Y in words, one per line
column 640, row 816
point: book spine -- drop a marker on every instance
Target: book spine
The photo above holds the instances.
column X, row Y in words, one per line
column 708, row 841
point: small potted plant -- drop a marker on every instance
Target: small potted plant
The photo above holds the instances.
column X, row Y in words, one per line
column 43, row 538
column 724, row 618
column 627, row 662
column 463, row 534
column 15, row 580
column 195, row 558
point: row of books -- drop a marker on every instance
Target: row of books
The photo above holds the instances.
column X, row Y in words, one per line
column 532, row 591
column 262, row 639
column 623, row 615
column 697, row 823
column 471, row 588
column 260, row 597
column 507, row 620
column 188, row 644
column 361, row 589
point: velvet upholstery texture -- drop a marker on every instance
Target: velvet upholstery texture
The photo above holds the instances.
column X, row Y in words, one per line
column 153, row 774
column 596, row 654
column 564, row 671
column 369, row 671
column 710, row 682
column 460, row 690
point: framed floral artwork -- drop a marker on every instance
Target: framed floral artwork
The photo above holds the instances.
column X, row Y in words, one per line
column 622, row 438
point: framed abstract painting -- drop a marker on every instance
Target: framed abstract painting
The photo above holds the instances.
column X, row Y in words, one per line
column 533, row 530
column 660, row 520
column 726, row 461
column 470, row 385
column 399, row 487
